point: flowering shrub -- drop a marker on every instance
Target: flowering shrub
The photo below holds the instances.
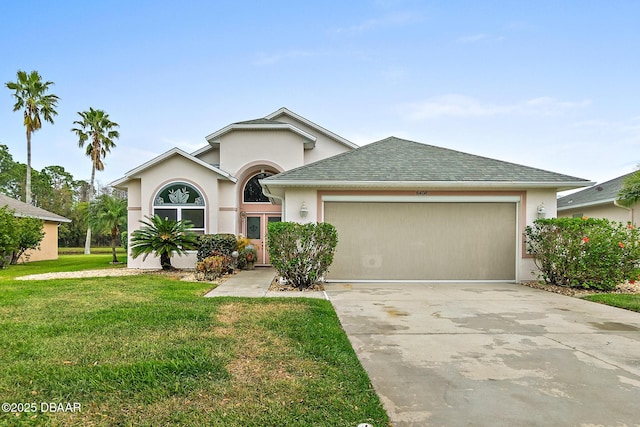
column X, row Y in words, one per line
column 213, row 266
column 584, row 252
column 301, row 253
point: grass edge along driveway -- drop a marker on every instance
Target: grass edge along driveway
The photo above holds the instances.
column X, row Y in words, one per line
column 147, row 350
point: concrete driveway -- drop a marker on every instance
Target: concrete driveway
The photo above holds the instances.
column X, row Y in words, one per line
column 487, row 354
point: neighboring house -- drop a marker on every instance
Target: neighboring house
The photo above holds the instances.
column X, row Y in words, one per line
column 49, row 245
column 599, row 201
column 403, row 210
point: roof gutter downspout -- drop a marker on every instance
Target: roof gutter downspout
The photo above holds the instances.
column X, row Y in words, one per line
column 616, row 203
column 273, row 196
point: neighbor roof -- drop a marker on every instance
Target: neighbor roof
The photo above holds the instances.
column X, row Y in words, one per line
column 400, row 160
column 26, row 210
column 606, row 192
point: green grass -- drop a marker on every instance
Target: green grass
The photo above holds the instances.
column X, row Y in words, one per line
column 63, row 263
column 148, row 350
column 94, row 250
column 626, row 301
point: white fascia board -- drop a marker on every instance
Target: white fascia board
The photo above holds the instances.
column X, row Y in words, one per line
column 312, row 125
column 587, row 204
column 419, row 184
column 173, row 152
column 202, row 150
column 258, row 126
column 420, row 199
column 43, row 217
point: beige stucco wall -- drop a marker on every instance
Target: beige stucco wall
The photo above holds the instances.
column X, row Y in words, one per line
column 281, row 147
column 211, row 156
column 325, row 146
column 48, row 246
column 142, row 192
column 609, row 211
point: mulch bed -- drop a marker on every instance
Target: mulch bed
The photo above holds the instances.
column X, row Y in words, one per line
column 624, row 288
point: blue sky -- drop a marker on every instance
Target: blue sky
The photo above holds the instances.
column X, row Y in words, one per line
column 548, row 84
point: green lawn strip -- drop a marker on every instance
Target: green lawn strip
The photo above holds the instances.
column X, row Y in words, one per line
column 626, row 301
column 63, row 263
column 149, row 350
column 94, row 251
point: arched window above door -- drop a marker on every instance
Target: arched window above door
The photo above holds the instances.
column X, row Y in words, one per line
column 252, row 192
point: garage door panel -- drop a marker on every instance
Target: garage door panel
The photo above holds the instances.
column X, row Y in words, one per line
column 423, row 241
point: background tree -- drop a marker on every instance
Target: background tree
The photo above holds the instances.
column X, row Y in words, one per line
column 31, row 96
column 8, row 235
column 30, row 232
column 164, row 237
column 630, row 192
column 109, row 213
column 98, row 131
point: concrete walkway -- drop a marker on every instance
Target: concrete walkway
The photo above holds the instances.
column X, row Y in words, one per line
column 255, row 283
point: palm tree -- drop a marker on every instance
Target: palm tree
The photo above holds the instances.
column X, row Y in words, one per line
column 30, row 94
column 630, row 192
column 109, row 213
column 164, row 237
column 95, row 128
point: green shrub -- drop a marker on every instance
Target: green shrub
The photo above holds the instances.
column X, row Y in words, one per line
column 584, row 252
column 301, row 253
column 213, row 266
column 222, row 243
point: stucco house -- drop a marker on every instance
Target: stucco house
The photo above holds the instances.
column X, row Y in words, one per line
column 599, row 201
column 49, row 245
column 403, row 210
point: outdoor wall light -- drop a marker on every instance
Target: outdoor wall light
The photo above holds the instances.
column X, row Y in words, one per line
column 303, row 210
column 542, row 211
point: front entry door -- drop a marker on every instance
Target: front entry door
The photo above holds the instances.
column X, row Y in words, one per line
column 256, row 232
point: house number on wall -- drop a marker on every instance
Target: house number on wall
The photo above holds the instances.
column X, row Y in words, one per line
column 421, row 193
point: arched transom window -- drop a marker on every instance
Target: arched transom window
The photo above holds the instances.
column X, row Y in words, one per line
column 180, row 201
column 253, row 191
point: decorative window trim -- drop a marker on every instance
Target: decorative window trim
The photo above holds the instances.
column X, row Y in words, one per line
column 180, row 196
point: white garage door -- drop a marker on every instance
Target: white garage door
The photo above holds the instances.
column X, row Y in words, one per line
column 423, row 241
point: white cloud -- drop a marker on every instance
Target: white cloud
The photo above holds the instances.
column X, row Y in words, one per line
column 393, row 20
column 455, row 105
column 479, row 37
column 265, row 58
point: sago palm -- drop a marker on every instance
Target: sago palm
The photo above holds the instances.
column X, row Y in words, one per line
column 31, row 96
column 163, row 237
column 98, row 132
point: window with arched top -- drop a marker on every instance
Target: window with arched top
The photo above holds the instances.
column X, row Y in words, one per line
column 181, row 201
column 252, row 192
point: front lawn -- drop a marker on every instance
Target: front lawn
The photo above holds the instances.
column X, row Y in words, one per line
column 626, row 301
column 63, row 263
column 149, row 350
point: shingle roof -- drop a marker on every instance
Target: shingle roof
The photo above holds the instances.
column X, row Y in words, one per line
column 600, row 193
column 26, row 210
column 395, row 159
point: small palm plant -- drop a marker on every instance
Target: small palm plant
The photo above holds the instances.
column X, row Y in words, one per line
column 163, row 237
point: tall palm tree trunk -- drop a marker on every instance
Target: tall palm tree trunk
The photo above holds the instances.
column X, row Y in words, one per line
column 87, row 241
column 27, row 187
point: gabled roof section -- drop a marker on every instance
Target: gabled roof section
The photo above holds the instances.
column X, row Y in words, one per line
column 25, row 210
column 135, row 173
column 602, row 193
column 260, row 124
column 399, row 162
column 286, row 112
